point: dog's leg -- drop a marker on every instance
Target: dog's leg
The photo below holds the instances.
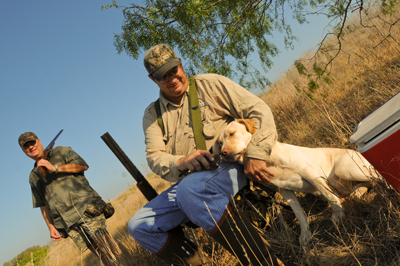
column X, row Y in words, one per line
column 294, row 203
column 320, row 183
column 337, row 209
column 352, row 166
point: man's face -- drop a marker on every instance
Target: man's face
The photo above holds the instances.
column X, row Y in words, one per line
column 33, row 149
column 174, row 84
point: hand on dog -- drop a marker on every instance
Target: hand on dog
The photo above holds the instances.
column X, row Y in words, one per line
column 193, row 161
column 257, row 170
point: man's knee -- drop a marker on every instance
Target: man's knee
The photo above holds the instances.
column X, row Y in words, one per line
column 200, row 185
column 189, row 191
column 137, row 226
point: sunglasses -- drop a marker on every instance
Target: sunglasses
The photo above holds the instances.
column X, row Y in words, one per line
column 170, row 75
column 28, row 144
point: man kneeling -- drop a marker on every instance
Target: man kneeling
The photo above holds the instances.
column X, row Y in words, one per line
column 173, row 149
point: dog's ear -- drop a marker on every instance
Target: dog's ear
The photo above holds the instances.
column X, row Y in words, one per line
column 249, row 124
column 216, row 147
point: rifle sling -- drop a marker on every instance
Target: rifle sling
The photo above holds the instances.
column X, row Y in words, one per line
column 195, row 115
column 159, row 116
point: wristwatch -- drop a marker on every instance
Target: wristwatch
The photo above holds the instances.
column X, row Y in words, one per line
column 56, row 166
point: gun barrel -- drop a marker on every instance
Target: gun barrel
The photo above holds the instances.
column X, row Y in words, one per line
column 143, row 185
column 51, row 144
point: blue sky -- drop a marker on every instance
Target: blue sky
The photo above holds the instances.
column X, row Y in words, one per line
column 60, row 70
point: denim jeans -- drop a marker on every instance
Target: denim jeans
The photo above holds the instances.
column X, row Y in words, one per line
column 200, row 197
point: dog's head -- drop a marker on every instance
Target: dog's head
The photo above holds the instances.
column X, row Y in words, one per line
column 233, row 140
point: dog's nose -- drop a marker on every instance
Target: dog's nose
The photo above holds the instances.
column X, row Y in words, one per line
column 224, row 151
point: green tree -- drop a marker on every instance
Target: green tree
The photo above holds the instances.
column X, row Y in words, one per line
column 37, row 253
column 213, row 34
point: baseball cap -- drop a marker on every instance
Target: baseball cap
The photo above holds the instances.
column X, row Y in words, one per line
column 159, row 59
column 25, row 137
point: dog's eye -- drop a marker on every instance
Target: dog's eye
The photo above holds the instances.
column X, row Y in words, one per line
column 231, row 134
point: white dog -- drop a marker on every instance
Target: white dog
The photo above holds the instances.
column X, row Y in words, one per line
column 319, row 171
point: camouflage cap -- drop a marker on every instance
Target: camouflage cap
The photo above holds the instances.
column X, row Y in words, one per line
column 159, row 59
column 25, row 137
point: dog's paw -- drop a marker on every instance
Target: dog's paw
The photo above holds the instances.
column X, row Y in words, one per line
column 304, row 236
column 360, row 189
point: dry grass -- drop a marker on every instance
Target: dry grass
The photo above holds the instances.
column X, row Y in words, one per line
column 369, row 235
column 363, row 77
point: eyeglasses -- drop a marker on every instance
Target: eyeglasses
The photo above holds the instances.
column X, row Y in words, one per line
column 170, row 75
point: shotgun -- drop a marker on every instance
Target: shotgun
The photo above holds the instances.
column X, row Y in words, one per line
column 46, row 153
column 143, row 185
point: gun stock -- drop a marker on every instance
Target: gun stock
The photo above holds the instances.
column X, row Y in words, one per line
column 143, row 185
column 41, row 169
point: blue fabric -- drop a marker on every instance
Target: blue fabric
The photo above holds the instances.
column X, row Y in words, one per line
column 187, row 200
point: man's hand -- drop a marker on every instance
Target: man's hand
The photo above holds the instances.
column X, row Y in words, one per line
column 257, row 170
column 193, row 161
column 46, row 164
column 49, row 222
column 54, row 234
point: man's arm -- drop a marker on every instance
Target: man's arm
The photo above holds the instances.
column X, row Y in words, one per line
column 240, row 103
column 64, row 168
column 49, row 222
column 158, row 159
column 169, row 166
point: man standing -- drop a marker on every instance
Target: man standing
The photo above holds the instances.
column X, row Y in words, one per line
column 202, row 197
column 69, row 205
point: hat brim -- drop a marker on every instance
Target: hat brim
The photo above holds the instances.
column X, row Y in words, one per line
column 159, row 73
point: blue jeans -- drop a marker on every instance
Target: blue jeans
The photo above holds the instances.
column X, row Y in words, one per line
column 200, row 197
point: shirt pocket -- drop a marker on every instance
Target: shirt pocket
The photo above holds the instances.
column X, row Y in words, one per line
column 208, row 125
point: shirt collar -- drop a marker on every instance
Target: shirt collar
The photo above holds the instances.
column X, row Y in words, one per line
column 165, row 101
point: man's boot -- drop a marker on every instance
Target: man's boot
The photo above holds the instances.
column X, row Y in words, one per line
column 238, row 236
column 178, row 250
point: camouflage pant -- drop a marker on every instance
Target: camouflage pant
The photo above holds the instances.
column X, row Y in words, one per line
column 86, row 230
